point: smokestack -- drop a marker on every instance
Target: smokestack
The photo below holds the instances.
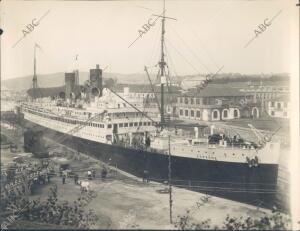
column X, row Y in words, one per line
column 76, row 77
column 70, row 84
column 96, row 79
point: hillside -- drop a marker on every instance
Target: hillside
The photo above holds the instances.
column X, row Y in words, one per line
column 57, row 79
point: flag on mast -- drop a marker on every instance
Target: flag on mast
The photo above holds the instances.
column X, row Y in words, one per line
column 38, row 46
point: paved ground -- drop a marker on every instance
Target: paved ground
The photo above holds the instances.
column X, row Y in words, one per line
column 144, row 207
column 122, row 205
column 126, row 202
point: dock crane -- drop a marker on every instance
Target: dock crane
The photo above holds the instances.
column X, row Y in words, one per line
column 262, row 139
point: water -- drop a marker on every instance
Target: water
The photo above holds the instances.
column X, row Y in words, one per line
column 7, row 105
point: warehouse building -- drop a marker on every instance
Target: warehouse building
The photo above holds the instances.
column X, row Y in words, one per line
column 215, row 104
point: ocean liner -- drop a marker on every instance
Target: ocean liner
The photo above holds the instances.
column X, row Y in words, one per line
column 116, row 129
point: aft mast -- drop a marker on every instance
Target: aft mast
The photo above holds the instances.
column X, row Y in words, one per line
column 162, row 65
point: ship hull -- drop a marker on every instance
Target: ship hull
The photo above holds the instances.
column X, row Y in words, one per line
column 236, row 181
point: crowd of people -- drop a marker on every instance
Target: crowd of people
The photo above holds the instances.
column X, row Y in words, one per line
column 53, row 211
column 90, row 175
column 20, row 180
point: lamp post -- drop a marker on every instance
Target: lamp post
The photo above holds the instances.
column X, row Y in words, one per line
column 170, row 184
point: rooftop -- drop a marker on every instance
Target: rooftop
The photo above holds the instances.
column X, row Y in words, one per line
column 143, row 88
column 216, row 92
column 284, row 98
column 50, row 91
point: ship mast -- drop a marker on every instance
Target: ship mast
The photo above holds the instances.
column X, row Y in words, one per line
column 162, row 64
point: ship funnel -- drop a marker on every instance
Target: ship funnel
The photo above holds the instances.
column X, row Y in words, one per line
column 96, row 79
column 70, row 84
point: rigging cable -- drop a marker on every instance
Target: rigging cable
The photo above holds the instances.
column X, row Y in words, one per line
column 205, row 49
column 153, row 89
column 182, row 56
column 155, row 50
column 132, row 105
column 191, row 50
column 170, row 90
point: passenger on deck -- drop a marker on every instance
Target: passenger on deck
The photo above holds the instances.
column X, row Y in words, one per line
column 146, row 176
column 103, row 173
column 89, row 173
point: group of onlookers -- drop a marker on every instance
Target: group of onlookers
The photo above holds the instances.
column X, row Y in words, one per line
column 19, row 181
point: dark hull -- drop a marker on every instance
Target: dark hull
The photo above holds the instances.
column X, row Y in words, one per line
column 236, row 181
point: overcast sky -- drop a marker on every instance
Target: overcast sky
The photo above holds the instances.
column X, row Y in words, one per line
column 206, row 36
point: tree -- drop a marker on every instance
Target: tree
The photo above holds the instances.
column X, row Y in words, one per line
column 273, row 221
column 53, row 211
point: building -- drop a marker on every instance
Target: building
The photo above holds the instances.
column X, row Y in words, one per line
column 11, row 95
column 264, row 93
column 279, row 107
column 134, row 91
column 215, row 104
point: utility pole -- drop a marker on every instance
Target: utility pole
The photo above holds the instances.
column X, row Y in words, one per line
column 170, row 184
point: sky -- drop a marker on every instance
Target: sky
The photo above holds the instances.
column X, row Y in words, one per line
column 206, row 36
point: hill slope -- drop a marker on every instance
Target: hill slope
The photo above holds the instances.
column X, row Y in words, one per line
column 58, row 79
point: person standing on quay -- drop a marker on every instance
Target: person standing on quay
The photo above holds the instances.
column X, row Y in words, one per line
column 48, row 177
column 76, row 179
column 63, row 178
